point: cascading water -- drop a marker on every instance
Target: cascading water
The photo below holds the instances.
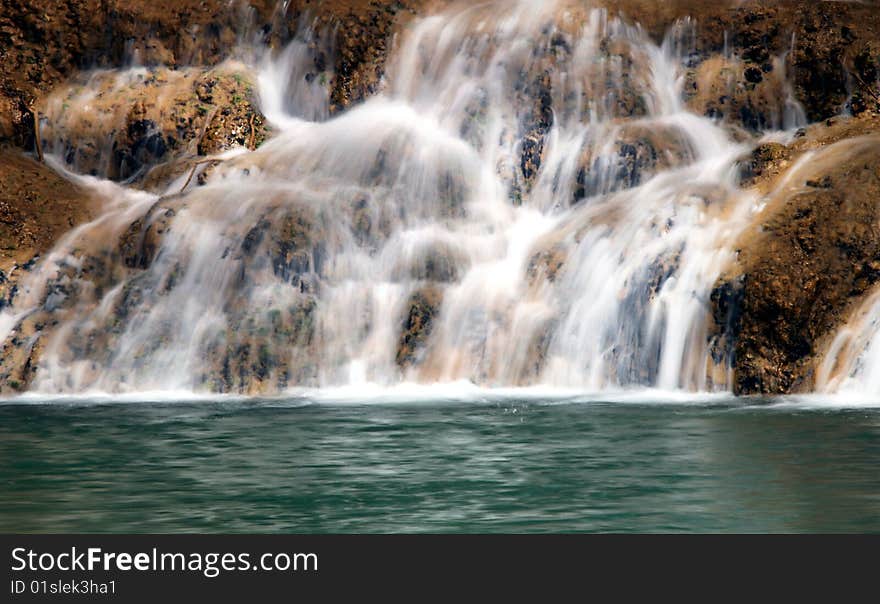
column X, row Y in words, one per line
column 853, row 358
column 528, row 201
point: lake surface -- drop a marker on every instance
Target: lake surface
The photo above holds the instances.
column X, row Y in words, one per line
column 503, row 463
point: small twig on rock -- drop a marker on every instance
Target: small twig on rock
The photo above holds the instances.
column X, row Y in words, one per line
column 205, row 128
column 867, row 88
column 193, row 171
column 199, row 140
column 37, row 139
column 253, row 137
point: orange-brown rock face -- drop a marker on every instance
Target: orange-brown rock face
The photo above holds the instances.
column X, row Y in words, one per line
column 120, row 124
column 811, row 256
column 37, row 206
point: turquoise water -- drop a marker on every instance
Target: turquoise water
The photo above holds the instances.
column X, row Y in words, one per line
column 495, row 465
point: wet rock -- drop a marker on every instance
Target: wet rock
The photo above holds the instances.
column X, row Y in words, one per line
column 800, row 272
column 825, row 45
column 819, row 73
column 7, row 119
column 122, row 124
column 362, row 221
column 638, row 154
column 422, row 310
column 539, row 120
column 753, row 75
column 866, row 73
column 532, row 151
column 738, row 94
column 42, row 42
column 364, row 33
column 622, row 83
column 19, row 355
column 65, row 293
column 546, row 264
column 141, row 241
column 297, row 248
column 435, row 261
column 726, row 301
column 766, row 160
column 822, row 183
column 266, row 353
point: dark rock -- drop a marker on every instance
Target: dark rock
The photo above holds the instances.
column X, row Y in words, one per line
column 764, row 159
column 822, row 183
column 754, row 75
column 422, row 309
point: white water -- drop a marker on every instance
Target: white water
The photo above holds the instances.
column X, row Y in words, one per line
column 293, row 266
column 851, row 366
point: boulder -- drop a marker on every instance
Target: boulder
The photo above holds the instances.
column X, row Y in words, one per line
column 810, row 257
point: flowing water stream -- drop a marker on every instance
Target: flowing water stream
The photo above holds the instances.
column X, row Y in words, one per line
column 418, row 190
column 527, row 201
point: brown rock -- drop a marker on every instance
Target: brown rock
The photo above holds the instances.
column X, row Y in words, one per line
column 802, row 269
column 121, row 125
column 422, row 309
column 37, row 206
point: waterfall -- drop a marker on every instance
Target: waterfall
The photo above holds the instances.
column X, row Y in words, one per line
column 851, row 363
column 526, row 201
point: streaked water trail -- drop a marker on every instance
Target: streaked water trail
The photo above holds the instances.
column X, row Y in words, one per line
column 526, row 202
